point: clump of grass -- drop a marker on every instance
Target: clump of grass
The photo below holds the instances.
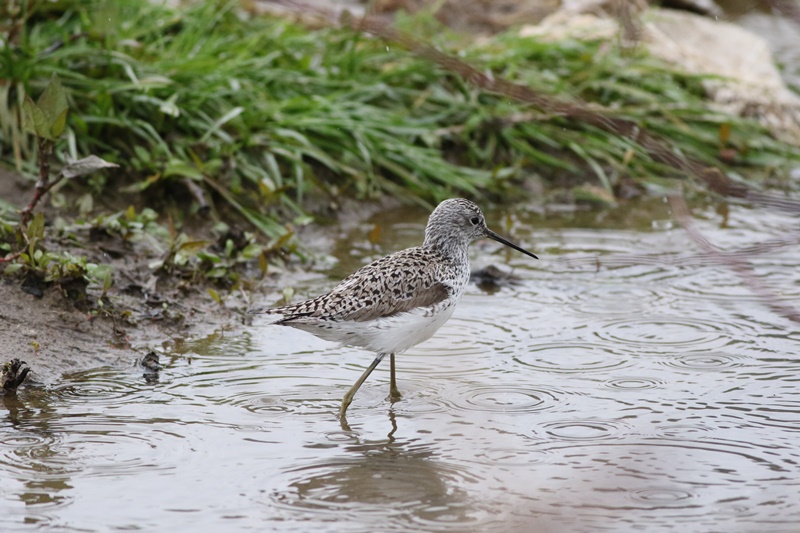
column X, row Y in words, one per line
column 258, row 113
column 632, row 87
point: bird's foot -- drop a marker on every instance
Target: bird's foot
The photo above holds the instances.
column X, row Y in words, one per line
column 346, row 401
column 394, row 395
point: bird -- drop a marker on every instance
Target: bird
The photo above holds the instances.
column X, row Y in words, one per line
column 399, row 300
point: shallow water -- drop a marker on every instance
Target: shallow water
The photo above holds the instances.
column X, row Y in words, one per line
column 624, row 382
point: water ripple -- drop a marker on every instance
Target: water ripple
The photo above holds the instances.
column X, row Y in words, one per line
column 663, row 334
column 617, row 299
column 32, row 453
column 469, row 339
column 627, row 481
column 508, row 399
column 660, row 497
column 712, row 285
column 584, row 430
column 683, row 430
column 563, row 358
column 633, row 383
column 705, row 361
column 513, row 457
column 259, row 402
column 101, row 386
column 37, row 467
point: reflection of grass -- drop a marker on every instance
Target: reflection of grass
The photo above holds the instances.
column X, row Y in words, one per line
column 262, row 112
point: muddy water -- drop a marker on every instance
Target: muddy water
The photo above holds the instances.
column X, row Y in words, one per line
column 624, row 382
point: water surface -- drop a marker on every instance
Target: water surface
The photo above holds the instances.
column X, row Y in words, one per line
column 625, row 382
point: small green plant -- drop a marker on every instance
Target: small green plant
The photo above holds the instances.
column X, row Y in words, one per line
column 46, row 120
column 130, row 225
column 221, row 261
column 73, row 274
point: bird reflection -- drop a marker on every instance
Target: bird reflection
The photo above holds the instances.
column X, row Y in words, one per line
column 398, row 477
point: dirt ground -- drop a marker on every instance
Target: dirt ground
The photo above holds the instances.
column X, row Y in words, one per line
column 40, row 325
column 54, row 338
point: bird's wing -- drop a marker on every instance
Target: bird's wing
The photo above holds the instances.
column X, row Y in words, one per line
column 394, row 284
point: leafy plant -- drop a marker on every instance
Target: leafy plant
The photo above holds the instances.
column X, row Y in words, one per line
column 130, row 225
column 72, row 273
column 46, row 119
column 222, row 261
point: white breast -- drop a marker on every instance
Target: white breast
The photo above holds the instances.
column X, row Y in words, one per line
column 392, row 334
column 396, row 334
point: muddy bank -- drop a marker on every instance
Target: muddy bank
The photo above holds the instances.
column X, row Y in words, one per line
column 56, row 333
column 65, row 327
column 54, row 338
column 45, row 328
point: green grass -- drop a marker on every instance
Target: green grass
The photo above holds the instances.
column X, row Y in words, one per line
column 262, row 113
column 634, row 87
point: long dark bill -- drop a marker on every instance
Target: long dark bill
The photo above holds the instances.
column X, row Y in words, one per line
column 494, row 236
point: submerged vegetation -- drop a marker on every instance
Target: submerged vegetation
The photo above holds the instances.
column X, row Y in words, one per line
column 210, row 109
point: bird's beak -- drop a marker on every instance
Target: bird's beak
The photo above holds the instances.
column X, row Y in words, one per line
column 494, row 236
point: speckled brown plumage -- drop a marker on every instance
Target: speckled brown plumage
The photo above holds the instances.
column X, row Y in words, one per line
column 416, row 277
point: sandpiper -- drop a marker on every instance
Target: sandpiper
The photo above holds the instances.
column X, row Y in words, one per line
column 400, row 300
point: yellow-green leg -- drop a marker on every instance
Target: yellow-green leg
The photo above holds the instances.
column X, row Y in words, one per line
column 348, row 398
column 394, row 393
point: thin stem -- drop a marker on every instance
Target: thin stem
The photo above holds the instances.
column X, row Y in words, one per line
column 43, row 185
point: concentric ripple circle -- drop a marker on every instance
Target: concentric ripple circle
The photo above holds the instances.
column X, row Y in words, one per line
column 631, row 383
column 661, row 496
column 100, row 386
column 683, row 430
column 259, row 401
column 572, row 358
column 92, row 392
column 622, row 300
column 509, row 399
column 583, row 430
column 660, row 334
column 468, row 339
column 29, row 452
column 705, row 361
column 710, row 285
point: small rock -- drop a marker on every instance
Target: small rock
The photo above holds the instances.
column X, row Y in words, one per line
column 13, row 374
column 491, row 279
column 150, row 362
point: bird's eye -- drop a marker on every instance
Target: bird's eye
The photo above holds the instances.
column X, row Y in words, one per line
column 475, row 221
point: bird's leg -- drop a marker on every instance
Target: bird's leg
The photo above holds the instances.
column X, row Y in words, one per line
column 394, row 394
column 348, row 398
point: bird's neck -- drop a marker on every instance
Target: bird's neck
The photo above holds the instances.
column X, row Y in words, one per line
column 451, row 249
